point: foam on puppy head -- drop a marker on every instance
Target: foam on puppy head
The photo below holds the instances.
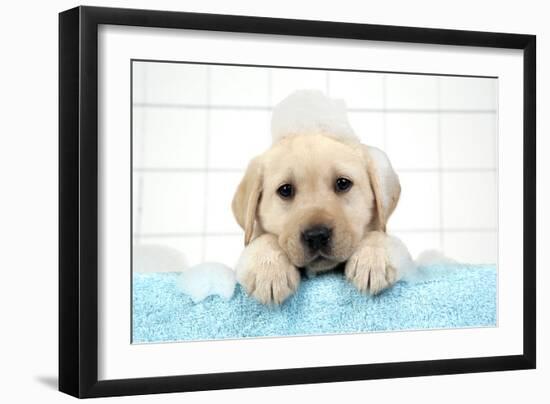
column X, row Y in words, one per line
column 308, row 112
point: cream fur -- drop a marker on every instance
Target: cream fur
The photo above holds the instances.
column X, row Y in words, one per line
column 265, row 271
column 314, row 145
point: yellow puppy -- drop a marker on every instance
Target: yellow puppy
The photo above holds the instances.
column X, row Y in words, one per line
column 314, row 201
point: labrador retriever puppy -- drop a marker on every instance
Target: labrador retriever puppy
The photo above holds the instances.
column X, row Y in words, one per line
column 315, row 201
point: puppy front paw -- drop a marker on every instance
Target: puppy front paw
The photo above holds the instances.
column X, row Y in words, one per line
column 267, row 274
column 369, row 269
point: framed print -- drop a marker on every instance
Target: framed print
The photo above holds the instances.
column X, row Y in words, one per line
column 250, row 201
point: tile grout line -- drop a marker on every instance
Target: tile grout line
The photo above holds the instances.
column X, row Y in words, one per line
column 384, row 113
column 352, row 109
column 231, row 170
column 270, row 88
column 239, row 234
column 206, row 162
column 440, row 167
column 141, row 179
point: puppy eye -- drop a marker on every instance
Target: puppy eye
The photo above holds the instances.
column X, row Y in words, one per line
column 343, row 184
column 286, row 191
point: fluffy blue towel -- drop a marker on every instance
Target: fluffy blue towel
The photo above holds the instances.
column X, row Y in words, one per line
column 441, row 297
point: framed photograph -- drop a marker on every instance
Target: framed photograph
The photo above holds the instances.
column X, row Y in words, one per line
column 250, row 201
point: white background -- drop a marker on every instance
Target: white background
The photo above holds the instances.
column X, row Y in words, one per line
column 439, row 133
column 28, row 159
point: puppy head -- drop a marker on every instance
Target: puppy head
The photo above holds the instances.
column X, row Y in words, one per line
column 318, row 195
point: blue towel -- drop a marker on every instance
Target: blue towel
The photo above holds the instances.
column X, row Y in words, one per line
column 449, row 296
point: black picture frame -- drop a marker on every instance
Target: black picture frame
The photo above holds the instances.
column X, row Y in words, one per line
column 78, row 201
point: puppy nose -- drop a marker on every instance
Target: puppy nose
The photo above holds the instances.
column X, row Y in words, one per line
column 316, row 237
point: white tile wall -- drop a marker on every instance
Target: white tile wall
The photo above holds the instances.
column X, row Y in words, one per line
column 439, row 132
column 221, row 188
column 250, row 129
column 172, row 202
column 370, row 127
column 224, row 249
column 419, row 204
column 418, row 241
column 137, row 202
column 285, row 81
column 168, row 137
column 191, row 246
column 469, row 200
column 468, row 140
column 467, row 93
column 414, row 92
column 233, row 85
column 170, row 83
column 412, row 140
column 359, row 90
column 472, row 246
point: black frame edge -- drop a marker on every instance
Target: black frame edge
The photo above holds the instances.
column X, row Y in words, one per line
column 78, row 206
column 529, row 201
column 280, row 377
column 69, row 76
column 307, row 28
column 88, row 194
column 78, row 201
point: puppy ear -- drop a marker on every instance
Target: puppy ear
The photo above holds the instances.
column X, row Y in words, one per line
column 247, row 197
column 384, row 182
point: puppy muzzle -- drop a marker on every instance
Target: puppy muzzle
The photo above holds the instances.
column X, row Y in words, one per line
column 317, row 239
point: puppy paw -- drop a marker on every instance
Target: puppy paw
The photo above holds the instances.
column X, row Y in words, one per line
column 270, row 279
column 369, row 269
